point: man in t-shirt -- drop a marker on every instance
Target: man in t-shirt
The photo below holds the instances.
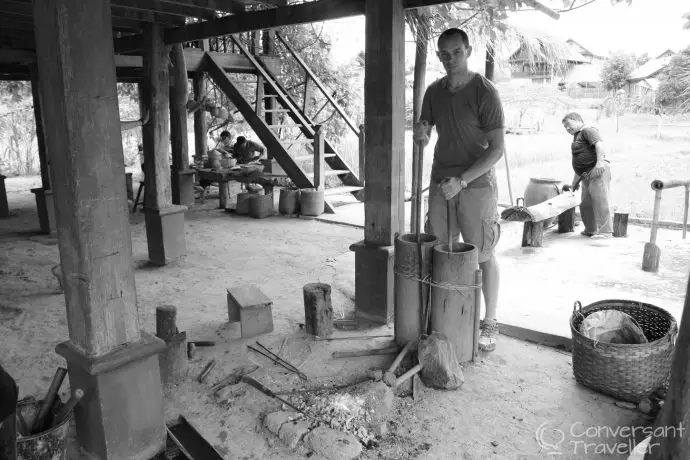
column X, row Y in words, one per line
column 466, row 109
column 593, row 172
column 246, row 151
column 8, row 406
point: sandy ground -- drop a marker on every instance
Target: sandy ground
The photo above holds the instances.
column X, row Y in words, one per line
column 512, row 398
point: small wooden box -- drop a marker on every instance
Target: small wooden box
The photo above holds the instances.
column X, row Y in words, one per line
column 252, row 308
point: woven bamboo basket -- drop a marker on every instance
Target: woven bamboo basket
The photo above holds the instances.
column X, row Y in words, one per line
column 623, row 371
column 261, row 206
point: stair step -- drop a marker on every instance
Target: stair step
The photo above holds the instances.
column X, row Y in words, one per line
column 331, row 172
column 277, row 110
column 341, row 190
column 311, row 157
column 270, row 95
column 285, row 126
column 296, row 141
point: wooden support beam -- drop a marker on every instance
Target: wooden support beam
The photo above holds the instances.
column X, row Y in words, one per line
column 40, row 131
column 200, row 128
column 177, row 8
column 164, row 221
column 384, row 120
column 322, row 10
column 79, row 96
column 182, row 181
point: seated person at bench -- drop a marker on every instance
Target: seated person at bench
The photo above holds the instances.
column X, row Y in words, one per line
column 245, row 150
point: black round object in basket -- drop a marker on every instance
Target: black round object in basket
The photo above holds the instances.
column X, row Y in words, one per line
column 624, row 371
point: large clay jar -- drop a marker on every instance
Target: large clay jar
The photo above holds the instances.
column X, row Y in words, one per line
column 289, row 202
column 541, row 189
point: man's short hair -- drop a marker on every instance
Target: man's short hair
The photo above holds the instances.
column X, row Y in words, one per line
column 225, row 134
column 573, row 116
column 454, row 32
column 241, row 139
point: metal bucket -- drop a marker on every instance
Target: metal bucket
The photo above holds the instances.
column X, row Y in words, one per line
column 49, row 444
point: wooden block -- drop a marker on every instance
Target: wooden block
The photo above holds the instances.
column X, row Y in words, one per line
column 318, row 311
column 620, row 224
column 532, row 234
column 254, row 309
column 566, row 221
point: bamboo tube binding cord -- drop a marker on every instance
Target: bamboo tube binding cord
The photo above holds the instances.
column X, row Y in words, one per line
column 412, row 268
column 454, row 303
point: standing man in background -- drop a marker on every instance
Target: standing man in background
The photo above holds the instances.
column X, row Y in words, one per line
column 466, row 109
column 593, row 172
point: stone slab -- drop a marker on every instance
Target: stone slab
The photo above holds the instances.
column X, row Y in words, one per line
column 332, row 444
column 291, row 433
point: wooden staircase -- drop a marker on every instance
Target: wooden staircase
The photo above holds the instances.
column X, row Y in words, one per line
column 306, row 145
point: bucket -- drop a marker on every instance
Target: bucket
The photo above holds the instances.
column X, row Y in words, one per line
column 261, row 206
column 243, row 203
column 289, row 202
column 49, row 444
column 453, row 307
column 541, row 189
column 311, row 202
column 410, row 294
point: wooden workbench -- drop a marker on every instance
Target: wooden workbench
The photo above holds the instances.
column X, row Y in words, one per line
column 223, row 176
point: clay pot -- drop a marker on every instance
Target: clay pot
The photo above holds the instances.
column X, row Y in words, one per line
column 541, row 189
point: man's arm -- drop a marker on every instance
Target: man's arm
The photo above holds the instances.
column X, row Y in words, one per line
column 598, row 168
column 490, row 157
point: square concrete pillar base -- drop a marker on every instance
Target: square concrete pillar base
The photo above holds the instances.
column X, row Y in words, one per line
column 4, row 206
column 165, row 234
column 374, row 282
column 183, row 187
column 45, row 205
column 121, row 416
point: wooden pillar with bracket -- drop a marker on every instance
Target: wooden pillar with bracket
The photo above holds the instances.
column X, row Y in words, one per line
column 108, row 356
column 164, row 220
column 384, row 120
column 182, row 177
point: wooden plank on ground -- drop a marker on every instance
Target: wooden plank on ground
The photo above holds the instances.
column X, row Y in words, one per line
column 542, row 211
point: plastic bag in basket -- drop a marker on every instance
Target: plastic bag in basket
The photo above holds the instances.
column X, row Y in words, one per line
column 612, row 326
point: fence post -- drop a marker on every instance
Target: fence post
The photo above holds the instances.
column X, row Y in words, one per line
column 318, row 156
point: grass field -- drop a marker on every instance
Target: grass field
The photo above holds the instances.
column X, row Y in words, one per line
column 637, row 157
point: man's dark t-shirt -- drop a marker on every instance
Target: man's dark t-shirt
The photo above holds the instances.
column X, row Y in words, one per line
column 584, row 152
column 462, row 119
column 8, row 395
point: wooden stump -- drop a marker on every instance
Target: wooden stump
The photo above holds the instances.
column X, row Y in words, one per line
column 566, row 221
column 318, row 311
column 620, row 224
column 166, row 316
column 651, row 257
column 532, row 234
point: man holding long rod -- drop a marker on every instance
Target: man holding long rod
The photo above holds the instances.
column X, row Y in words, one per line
column 466, row 109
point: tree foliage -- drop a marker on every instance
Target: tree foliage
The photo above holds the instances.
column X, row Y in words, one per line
column 616, row 70
column 674, row 86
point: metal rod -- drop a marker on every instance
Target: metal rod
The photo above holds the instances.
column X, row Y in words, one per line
column 655, row 216
column 477, row 313
column 685, row 211
column 278, row 360
column 510, row 188
column 276, row 356
column 450, row 227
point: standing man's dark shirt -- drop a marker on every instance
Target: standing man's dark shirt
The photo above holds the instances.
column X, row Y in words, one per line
column 584, row 153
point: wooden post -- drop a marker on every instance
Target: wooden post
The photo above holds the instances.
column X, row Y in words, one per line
column 318, row 311
column 164, row 221
column 620, row 224
column 259, row 106
column 384, row 169
column 532, row 234
column 362, row 154
column 566, row 221
column 685, row 211
column 121, row 415
column 200, row 128
column 652, row 252
column 305, row 95
column 669, row 440
column 173, row 360
column 182, row 178
column 4, row 205
column 318, row 157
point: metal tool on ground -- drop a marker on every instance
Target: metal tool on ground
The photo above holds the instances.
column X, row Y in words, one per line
column 207, row 370
column 278, row 360
column 370, row 352
column 49, row 400
column 256, row 384
column 233, row 378
column 203, row 343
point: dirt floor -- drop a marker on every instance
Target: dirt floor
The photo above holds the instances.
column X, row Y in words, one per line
column 515, row 403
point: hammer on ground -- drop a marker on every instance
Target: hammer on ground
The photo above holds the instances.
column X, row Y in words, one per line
column 388, row 377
